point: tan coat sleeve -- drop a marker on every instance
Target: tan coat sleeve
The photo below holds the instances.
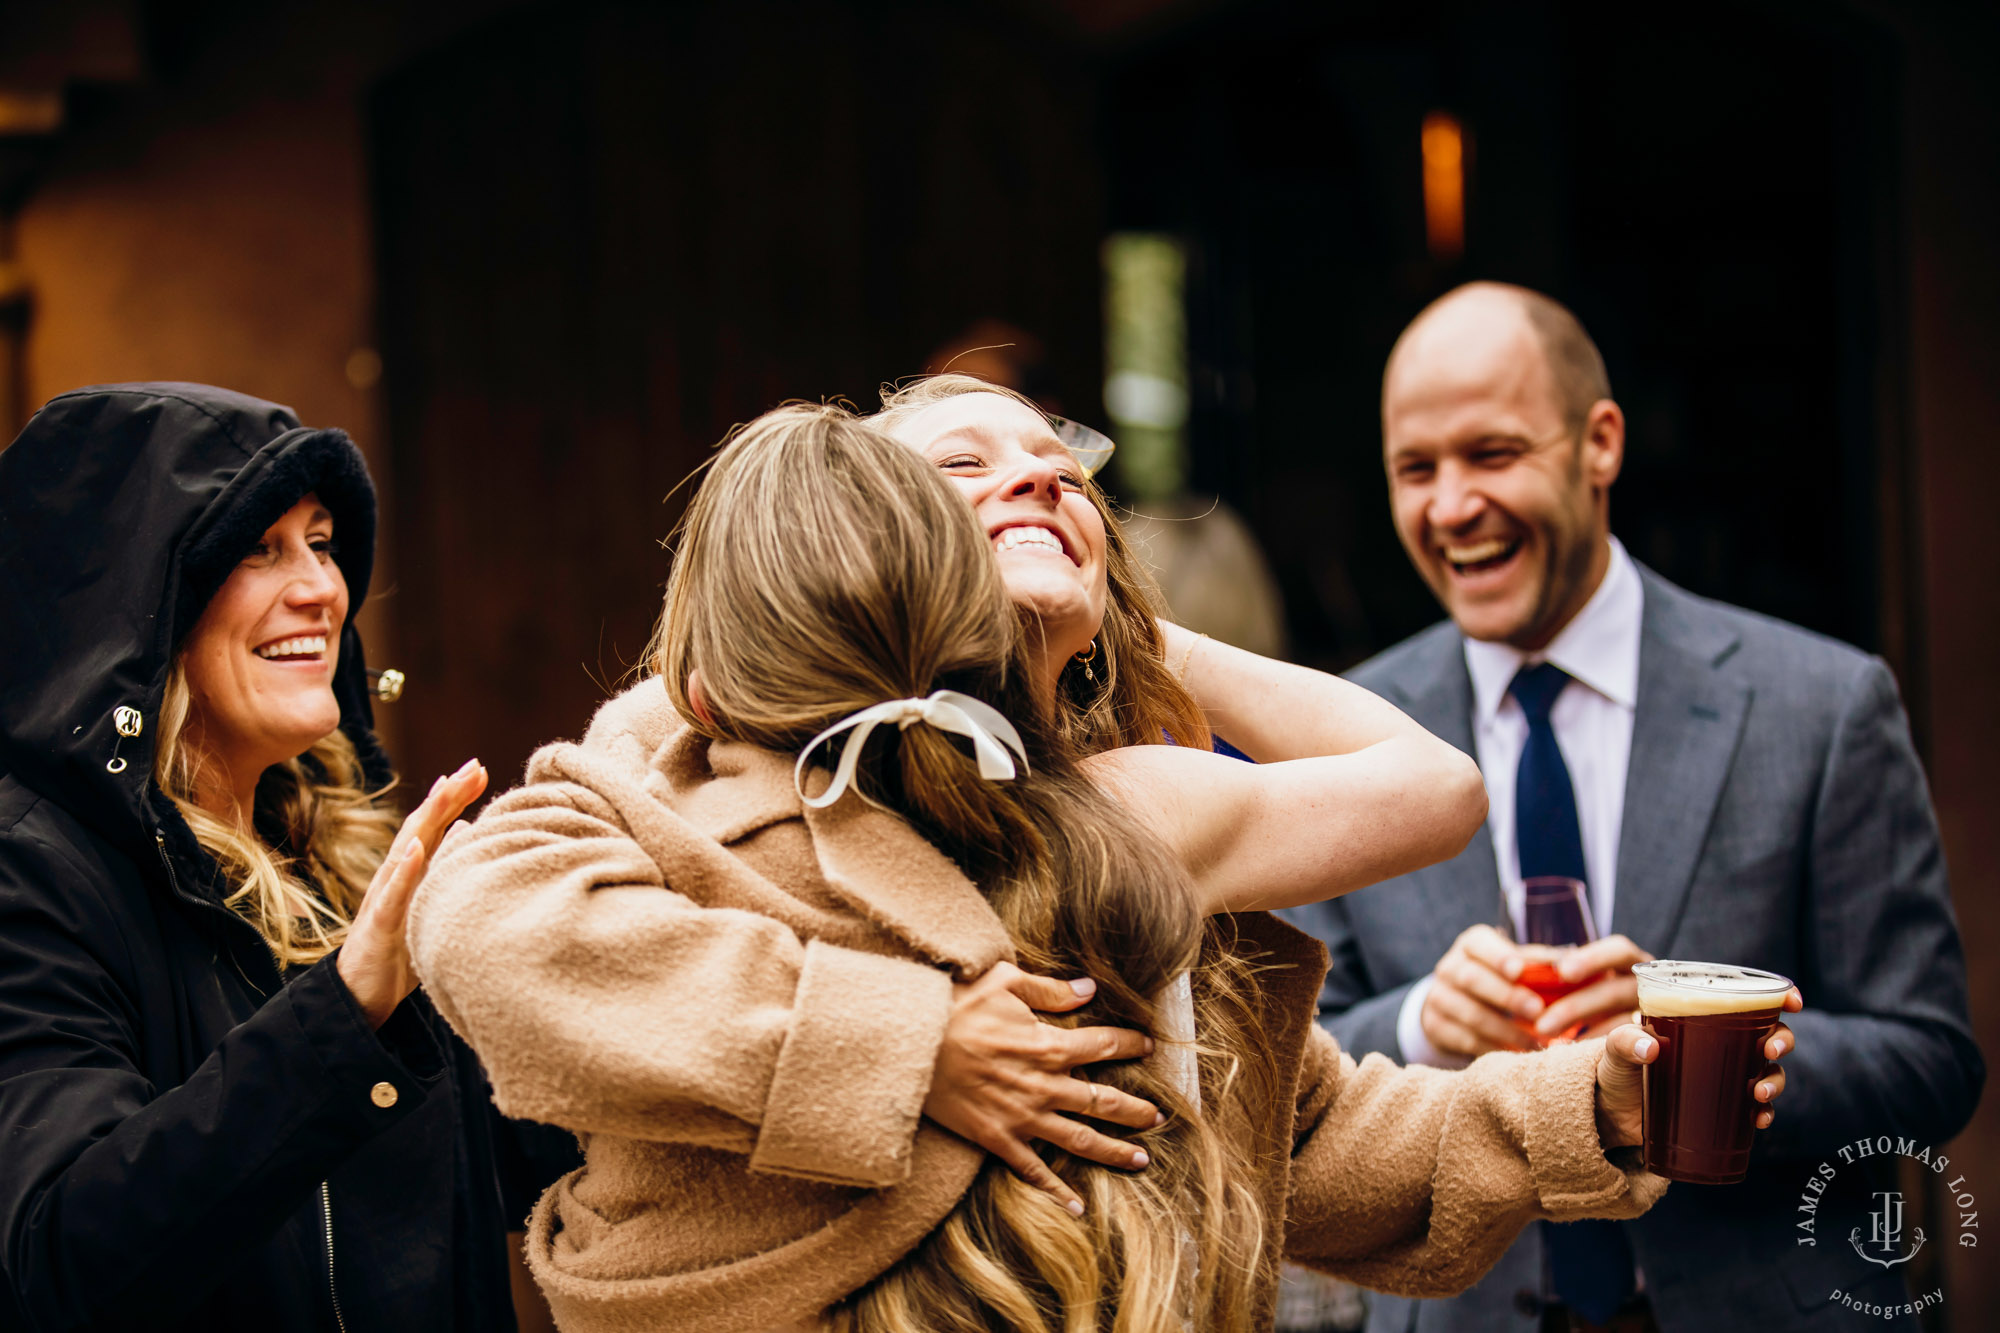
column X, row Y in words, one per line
column 1414, row 1180
column 577, row 957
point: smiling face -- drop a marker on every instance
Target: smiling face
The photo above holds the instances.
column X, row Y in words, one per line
column 1502, row 505
column 1029, row 495
column 260, row 661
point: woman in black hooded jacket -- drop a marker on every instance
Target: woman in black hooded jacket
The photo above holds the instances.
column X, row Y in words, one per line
column 200, row 1125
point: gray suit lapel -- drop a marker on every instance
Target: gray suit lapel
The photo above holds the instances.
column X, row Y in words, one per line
column 1684, row 736
column 1440, row 700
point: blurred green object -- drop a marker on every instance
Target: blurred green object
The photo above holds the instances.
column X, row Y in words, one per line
column 1145, row 361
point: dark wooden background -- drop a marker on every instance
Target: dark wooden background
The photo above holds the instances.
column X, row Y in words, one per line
column 608, row 231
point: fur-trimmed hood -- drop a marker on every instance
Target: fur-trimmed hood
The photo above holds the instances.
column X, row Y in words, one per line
column 122, row 509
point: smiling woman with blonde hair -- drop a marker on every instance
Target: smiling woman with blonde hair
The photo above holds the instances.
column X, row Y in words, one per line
column 221, row 1104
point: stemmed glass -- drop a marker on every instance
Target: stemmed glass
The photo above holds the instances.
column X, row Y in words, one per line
column 1555, row 915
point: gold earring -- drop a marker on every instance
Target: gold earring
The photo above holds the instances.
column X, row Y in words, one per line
column 1087, row 656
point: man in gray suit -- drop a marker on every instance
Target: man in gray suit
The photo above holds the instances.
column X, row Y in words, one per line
column 1729, row 787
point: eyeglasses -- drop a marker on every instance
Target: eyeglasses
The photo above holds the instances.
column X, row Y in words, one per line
column 1091, row 448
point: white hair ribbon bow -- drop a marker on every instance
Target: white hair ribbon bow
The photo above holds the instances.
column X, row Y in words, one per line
column 947, row 710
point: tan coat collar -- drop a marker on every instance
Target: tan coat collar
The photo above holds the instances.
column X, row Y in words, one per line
column 891, row 875
column 871, row 858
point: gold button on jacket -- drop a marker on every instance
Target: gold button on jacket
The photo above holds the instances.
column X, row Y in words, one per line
column 383, row 1095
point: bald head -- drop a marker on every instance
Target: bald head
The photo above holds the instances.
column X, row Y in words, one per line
column 1501, row 444
column 1485, row 319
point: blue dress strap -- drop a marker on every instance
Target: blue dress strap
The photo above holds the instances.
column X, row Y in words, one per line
column 1222, row 747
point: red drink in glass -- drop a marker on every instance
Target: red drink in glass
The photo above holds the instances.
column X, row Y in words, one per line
column 1555, row 916
column 1541, row 977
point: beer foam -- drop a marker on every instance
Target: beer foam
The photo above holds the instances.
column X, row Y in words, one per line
column 1690, row 990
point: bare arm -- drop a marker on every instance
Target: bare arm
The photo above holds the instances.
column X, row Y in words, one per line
column 1273, row 710
column 1259, row 836
column 1349, row 791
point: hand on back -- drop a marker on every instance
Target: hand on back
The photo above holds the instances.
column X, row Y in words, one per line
column 1003, row 1077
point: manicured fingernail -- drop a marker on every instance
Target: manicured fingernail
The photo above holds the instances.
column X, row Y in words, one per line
column 1083, row 986
column 1140, row 1161
column 466, row 767
column 1149, row 1045
column 1511, row 969
column 1763, row 1092
column 1075, row 1207
column 1643, row 1048
column 1159, row 1118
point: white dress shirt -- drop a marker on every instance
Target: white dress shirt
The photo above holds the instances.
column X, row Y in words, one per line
column 1592, row 720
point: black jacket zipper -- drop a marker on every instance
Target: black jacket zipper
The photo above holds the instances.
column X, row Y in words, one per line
column 332, row 1288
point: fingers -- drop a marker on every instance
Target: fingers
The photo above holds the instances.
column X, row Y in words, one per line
column 1071, row 1048
column 1488, row 947
column 1768, row 1088
column 1629, row 1044
column 426, row 825
column 1102, row 1102
column 1460, row 1025
column 1614, row 993
column 1613, row 953
column 1770, row 1085
column 392, row 906
column 445, row 802
column 1050, row 995
column 1079, row 1140
column 1481, row 982
column 1073, row 1137
column 1472, row 998
column 390, row 891
column 1023, row 1162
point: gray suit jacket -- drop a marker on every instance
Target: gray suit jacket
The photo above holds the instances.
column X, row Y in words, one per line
column 1775, row 816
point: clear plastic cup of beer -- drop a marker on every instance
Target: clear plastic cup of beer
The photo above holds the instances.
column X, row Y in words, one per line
column 1711, row 1021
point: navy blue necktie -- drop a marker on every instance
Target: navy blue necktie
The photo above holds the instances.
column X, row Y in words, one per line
column 1590, row 1263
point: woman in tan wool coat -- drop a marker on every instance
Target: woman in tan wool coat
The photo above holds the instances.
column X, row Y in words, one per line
column 740, row 993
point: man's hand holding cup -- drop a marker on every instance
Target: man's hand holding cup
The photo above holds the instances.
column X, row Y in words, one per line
column 1476, row 1003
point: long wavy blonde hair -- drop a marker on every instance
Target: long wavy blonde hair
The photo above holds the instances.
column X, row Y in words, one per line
column 316, row 839
column 823, row 568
